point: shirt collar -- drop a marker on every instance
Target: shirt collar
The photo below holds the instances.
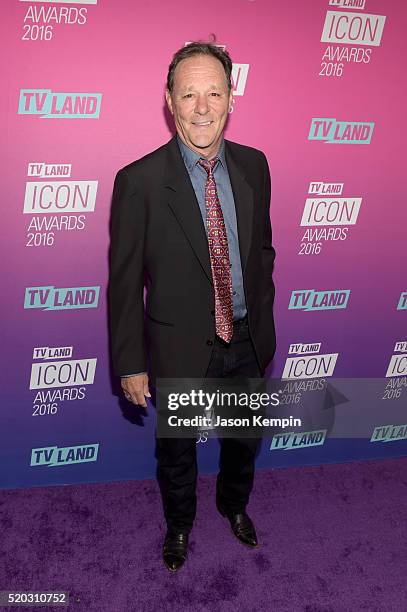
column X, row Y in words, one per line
column 191, row 158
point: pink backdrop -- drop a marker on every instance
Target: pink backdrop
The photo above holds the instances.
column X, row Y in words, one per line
column 122, row 52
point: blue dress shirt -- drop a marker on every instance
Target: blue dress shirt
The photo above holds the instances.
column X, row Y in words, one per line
column 198, row 176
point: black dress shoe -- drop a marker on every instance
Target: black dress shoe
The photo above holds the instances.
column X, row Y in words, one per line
column 241, row 525
column 175, row 550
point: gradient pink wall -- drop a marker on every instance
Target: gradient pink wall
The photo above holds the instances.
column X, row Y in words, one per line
column 123, row 51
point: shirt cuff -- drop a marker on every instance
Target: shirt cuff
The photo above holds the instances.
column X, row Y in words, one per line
column 129, row 375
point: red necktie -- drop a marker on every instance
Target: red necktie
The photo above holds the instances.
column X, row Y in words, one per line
column 219, row 255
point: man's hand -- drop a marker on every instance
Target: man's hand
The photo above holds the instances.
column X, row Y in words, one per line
column 135, row 389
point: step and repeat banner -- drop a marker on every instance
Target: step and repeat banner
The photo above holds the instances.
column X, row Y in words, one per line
column 319, row 86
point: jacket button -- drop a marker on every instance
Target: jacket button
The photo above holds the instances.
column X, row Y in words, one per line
column 209, row 342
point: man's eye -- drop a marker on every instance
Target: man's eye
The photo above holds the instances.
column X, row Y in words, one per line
column 214, row 93
column 189, row 95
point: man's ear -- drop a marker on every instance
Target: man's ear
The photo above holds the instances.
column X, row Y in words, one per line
column 169, row 101
column 231, row 100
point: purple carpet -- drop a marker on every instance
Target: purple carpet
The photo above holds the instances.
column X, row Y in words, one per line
column 333, row 538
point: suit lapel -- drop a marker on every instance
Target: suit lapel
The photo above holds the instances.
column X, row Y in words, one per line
column 243, row 196
column 183, row 203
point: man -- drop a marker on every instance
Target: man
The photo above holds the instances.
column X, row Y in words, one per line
column 191, row 222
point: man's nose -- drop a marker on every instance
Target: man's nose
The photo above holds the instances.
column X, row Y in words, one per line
column 201, row 106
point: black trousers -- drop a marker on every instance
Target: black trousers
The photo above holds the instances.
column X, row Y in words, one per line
column 176, row 458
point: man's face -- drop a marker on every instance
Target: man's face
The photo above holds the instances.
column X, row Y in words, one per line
column 200, row 102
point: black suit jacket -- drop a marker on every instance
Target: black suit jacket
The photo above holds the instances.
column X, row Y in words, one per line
column 158, row 239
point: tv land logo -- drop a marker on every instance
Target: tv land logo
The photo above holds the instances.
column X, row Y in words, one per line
column 56, row 205
column 56, row 377
column 60, row 372
column 396, row 373
column 402, row 303
column 43, row 170
column 294, row 441
column 308, row 363
column 59, row 105
column 332, row 131
column 351, row 36
column 309, row 299
column 54, row 456
column 389, row 433
column 39, row 21
column 351, row 4
column 49, row 297
column 398, row 361
column 327, row 208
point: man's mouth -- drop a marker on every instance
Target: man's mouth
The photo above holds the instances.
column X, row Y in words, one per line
column 202, row 123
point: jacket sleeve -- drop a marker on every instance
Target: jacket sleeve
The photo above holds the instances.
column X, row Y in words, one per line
column 268, row 253
column 126, row 266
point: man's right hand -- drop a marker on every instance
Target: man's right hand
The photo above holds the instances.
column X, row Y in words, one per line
column 135, row 389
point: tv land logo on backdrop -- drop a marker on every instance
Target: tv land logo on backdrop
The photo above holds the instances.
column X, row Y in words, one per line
column 309, row 299
column 389, row 433
column 48, row 104
column 306, row 372
column 56, row 205
column 350, row 4
column 402, row 303
column 351, row 36
column 56, row 377
column 332, row 131
column 293, row 441
column 239, row 75
column 39, row 21
column 49, row 297
column 396, row 372
column 327, row 216
column 309, row 362
column 54, row 456
column 398, row 362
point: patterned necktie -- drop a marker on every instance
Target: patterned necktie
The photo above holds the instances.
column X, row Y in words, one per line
column 219, row 255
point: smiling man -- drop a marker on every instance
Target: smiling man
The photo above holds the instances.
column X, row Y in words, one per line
column 200, row 99
column 190, row 221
